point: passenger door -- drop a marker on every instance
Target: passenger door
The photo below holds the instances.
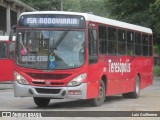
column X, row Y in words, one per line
column 93, row 71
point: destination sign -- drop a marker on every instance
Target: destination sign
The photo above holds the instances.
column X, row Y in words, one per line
column 50, row 21
column 34, row 58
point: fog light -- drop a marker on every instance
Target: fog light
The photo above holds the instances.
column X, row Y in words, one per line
column 75, row 92
column 63, row 93
column 30, row 91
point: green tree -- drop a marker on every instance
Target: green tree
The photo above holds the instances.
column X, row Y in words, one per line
column 141, row 12
column 155, row 12
column 44, row 4
column 71, row 5
column 155, row 8
column 94, row 6
column 132, row 11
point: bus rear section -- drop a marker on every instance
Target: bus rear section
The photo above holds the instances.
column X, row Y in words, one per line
column 63, row 55
column 6, row 59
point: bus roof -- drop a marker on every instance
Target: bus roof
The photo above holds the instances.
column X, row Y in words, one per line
column 6, row 38
column 94, row 18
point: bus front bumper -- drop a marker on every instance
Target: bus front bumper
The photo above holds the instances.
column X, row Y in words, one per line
column 77, row 92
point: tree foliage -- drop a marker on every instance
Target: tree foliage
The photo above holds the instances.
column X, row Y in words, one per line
column 141, row 12
column 43, row 4
column 155, row 9
column 132, row 11
column 155, row 12
column 94, row 6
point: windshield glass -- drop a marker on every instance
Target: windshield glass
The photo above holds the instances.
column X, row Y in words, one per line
column 50, row 49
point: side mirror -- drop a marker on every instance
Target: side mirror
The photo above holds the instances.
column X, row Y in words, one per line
column 12, row 32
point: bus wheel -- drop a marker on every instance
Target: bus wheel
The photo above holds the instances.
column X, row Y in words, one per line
column 136, row 92
column 41, row 102
column 100, row 99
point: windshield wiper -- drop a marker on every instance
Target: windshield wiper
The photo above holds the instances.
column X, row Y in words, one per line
column 61, row 38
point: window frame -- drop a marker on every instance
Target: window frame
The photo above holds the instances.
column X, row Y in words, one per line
column 103, row 39
column 145, row 44
column 130, row 42
column 113, row 41
column 138, row 42
column 121, row 42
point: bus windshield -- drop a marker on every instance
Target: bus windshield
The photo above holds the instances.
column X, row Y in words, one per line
column 50, row 49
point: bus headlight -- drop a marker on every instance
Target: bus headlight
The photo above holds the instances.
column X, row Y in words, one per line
column 20, row 79
column 78, row 80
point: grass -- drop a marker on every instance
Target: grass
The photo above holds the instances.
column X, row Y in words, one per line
column 157, row 71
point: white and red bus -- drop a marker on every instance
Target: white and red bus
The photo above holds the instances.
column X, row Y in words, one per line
column 80, row 56
column 6, row 58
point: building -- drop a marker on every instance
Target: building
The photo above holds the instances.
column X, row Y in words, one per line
column 9, row 12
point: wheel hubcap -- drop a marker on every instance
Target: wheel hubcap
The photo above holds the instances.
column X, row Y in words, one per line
column 137, row 85
column 101, row 95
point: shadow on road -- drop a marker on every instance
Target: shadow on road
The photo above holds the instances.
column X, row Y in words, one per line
column 77, row 103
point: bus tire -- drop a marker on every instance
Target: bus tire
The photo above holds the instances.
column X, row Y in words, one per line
column 136, row 92
column 41, row 102
column 100, row 99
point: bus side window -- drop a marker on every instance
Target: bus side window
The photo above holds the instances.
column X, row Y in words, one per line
column 93, row 47
column 145, row 41
column 103, row 39
column 112, row 41
column 12, row 49
column 130, row 43
column 3, row 50
column 138, row 44
column 150, row 46
column 121, row 42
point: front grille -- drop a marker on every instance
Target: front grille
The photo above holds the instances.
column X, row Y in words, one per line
column 40, row 83
column 52, row 83
column 47, row 91
column 56, row 83
column 48, row 76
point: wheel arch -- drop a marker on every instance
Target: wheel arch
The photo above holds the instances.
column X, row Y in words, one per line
column 104, row 79
column 139, row 75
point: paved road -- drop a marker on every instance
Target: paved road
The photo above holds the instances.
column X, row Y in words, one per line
column 148, row 101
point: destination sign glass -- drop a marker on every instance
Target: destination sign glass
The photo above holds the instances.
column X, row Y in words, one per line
column 51, row 21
